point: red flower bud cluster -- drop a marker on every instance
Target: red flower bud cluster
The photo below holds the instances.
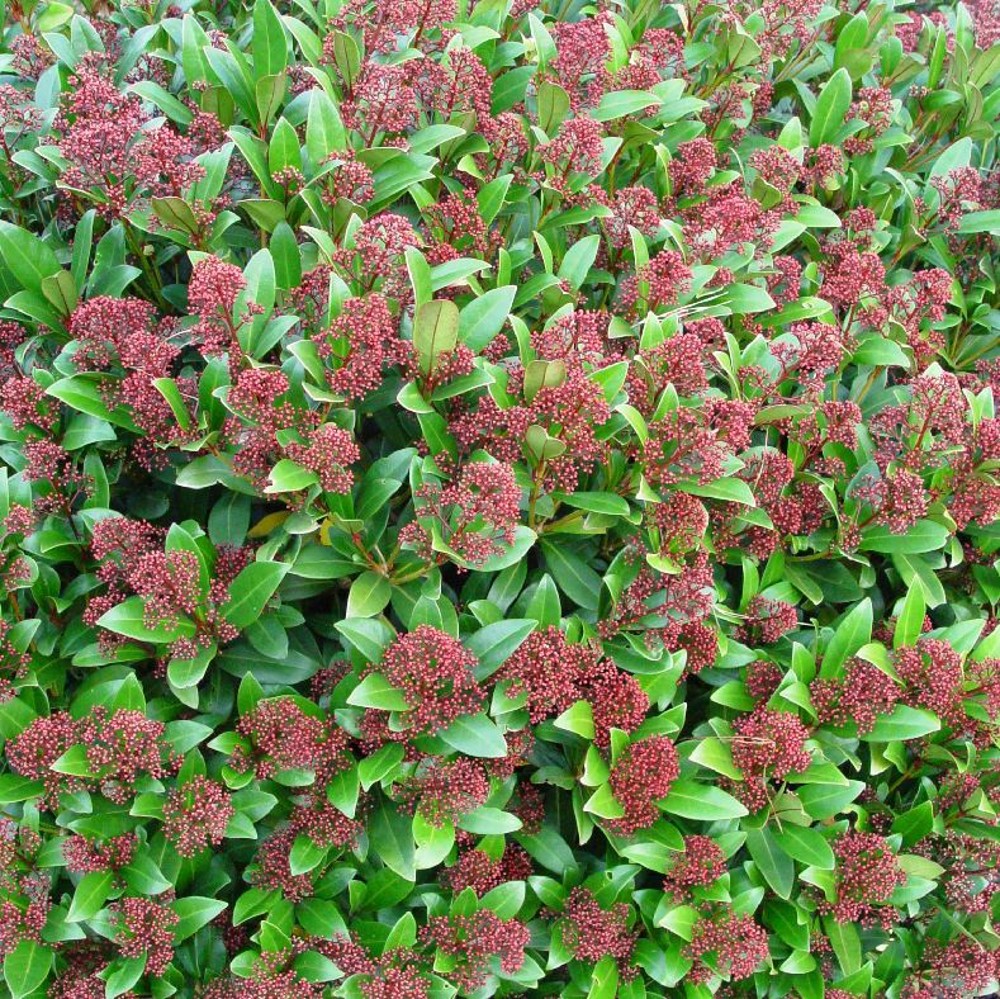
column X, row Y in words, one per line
column 862, row 695
column 592, row 932
column 640, row 776
column 727, row 944
column 477, row 870
column 475, row 515
column 195, row 815
column 471, row 941
column 867, row 875
column 145, row 929
column 118, row 749
column 434, row 672
column 279, row 736
column 767, row 746
column 701, row 864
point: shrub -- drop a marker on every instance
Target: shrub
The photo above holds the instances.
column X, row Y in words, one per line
column 499, row 498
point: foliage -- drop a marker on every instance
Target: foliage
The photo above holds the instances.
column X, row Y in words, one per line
column 499, row 498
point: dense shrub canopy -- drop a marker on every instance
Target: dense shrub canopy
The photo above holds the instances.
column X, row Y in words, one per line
column 499, row 498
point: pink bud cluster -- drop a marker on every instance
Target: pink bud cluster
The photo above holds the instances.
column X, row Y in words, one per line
column 932, row 672
column 570, row 411
column 867, row 875
column 767, row 745
column 475, row 515
column 481, row 872
column 119, row 747
column 114, row 153
column 434, row 672
column 862, row 695
column 84, row 855
column 701, row 864
column 768, row 620
column 272, row 869
column 145, row 928
column 728, row 944
column 592, row 932
column 642, row 775
column 473, row 940
column 278, row 735
column 196, row 814
column 360, row 343
column 444, row 792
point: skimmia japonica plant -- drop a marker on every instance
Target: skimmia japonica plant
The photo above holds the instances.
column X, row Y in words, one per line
column 499, row 497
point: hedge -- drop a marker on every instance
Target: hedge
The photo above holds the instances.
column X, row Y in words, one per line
column 499, row 498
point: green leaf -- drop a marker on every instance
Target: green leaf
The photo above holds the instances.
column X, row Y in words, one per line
column 90, row 895
column 544, row 606
column 324, row 129
column 144, row 877
column 621, row 103
column 60, row 290
column 370, row 636
column 746, row 299
column 817, row 217
column 289, row 476
column 846, row 944
column 704, row 802
column 270, row 47
column 609, row 504
column 505, row 900
column 604, row 980
column 250, row 591
column 305, row 855
column 976, row 222
column 435, row 332
column 717, row 755
column 380, row 764
column 910, row 623
column 831, row 108
column 773, row 862
column 923, row 536
column 853, row 631
column 602, row 803
column 482, row 319
column 286, row 256
column 477, row 736
column 392, row 840
column 549, row 849
column 343, row 790
column 283, row 149
column 824, row 801
column 434, row 843
column 193, row 912
column 369, row 594
column 728, row 490
column 914, row 824
column 26, row 968
column 374, row 691
column 487, row 821
column 553, row 106
column 876, row 350
column 14, row 788
column 496, row 643
column 26, row 257
column 490, row 199
column 578, row 718
column 904, row 723
column 121, row 974
column 573, row 575
column 129, row 619
column 579, row 259
column 806, row 845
